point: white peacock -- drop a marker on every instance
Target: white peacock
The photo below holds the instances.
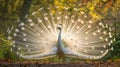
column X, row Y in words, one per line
column 75, row 34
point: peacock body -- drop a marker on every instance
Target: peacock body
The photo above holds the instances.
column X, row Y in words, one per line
column 75, row 34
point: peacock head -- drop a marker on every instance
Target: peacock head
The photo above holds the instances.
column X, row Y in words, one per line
column 59, row 26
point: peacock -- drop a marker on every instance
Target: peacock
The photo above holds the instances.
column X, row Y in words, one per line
column 47, row 33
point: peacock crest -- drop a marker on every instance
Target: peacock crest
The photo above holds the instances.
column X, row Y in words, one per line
column 73, row 33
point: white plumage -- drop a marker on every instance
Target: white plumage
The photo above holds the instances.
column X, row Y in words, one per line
column 75, row 34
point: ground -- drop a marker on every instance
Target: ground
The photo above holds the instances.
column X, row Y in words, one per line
column 48, row 64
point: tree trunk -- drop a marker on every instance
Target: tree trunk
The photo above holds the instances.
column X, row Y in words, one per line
column 25, row 9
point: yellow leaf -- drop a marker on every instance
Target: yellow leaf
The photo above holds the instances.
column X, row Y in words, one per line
column 61, row 7
column 56, row 3
column 92, row 7
column 52, row 11
column 94, row 15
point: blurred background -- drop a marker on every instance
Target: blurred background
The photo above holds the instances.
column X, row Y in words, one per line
column 12, row 10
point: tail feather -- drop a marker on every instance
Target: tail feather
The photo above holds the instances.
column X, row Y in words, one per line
column 83, row 36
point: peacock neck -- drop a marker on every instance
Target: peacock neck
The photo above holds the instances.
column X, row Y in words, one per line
column 60, row 46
